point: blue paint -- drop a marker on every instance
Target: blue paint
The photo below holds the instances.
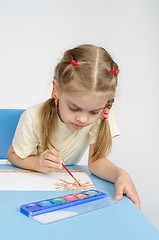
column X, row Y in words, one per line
column 45, row 204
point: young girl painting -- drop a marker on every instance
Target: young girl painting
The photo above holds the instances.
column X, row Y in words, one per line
column 77, row 115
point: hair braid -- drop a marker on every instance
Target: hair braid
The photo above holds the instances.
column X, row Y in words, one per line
column 103, row 142
column 48, row 121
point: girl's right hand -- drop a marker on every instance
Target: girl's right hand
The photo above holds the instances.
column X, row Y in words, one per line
column 49, row 160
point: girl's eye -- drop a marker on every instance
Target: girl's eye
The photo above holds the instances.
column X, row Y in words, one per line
column 77, row 109
column 73, row 109
column 94, row 113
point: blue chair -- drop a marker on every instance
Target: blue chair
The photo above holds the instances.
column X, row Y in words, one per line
column 8, row 122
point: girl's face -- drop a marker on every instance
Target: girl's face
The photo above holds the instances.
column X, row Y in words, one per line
column 80, row 109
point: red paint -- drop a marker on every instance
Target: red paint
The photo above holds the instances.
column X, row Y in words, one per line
column 69, row 198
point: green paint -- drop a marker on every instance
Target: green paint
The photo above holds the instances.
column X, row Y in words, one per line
column 92, row 193
column 59, row 200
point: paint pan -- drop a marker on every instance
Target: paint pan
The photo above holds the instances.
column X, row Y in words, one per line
column 55, row 209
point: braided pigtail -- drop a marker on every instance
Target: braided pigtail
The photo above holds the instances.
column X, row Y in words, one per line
column 48, row 121
column 103, row 142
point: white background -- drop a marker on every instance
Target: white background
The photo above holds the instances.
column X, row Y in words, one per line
column 35, row 33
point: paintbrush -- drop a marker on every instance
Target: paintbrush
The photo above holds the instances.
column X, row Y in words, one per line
column 71, row 174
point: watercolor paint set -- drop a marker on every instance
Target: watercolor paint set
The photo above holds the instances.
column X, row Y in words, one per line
column 55, row 209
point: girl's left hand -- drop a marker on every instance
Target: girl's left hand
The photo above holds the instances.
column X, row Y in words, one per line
column 124, row 185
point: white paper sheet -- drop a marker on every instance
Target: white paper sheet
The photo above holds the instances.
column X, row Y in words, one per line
column 34, row 181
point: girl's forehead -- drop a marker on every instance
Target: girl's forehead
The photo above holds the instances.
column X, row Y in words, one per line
column 90, row 100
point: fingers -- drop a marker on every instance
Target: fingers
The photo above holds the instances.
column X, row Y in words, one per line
column 52, row 165
column 131, row 193
column 133, row 196
column 49, row 160
column 52, row 152
column 118, row 191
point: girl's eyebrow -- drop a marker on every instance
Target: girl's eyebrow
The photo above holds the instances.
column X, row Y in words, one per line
column 74, row 105
column 71, row 103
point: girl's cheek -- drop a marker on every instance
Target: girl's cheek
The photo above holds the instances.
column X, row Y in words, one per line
column 69, row 117
column 94, row 117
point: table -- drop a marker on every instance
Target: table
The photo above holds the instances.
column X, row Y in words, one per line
column 120, row 221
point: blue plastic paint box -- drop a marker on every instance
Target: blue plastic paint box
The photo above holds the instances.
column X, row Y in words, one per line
column 57, row 203
column 55, row 209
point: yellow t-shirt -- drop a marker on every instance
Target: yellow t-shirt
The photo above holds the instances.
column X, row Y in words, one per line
column 71, row 145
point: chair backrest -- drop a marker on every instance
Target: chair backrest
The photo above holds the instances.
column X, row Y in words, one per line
column 8, row 122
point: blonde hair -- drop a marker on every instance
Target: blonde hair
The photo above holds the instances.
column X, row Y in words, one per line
column 91, row 74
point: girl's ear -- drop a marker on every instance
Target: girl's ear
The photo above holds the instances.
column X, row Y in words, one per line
column 56, row 88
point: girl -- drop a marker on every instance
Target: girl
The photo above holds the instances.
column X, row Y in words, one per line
column 78, row 114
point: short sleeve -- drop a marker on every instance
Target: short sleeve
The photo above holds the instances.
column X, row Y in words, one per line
column 25, row 141
column 113, row 128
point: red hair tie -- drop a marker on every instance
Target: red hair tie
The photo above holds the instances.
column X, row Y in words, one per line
column 106, row 113
column 53, row 94
column 74, row 63
column 114, row 71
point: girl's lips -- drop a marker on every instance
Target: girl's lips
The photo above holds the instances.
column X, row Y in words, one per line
column 77, row 126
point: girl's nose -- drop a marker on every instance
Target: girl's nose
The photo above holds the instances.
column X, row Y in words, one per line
column 82, row 118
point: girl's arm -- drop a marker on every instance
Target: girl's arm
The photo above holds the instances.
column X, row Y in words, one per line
column 108, row 171
column 45, row 162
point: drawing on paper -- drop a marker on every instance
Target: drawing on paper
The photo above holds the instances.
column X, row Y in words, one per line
column 65, row 185
column 17, row 180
